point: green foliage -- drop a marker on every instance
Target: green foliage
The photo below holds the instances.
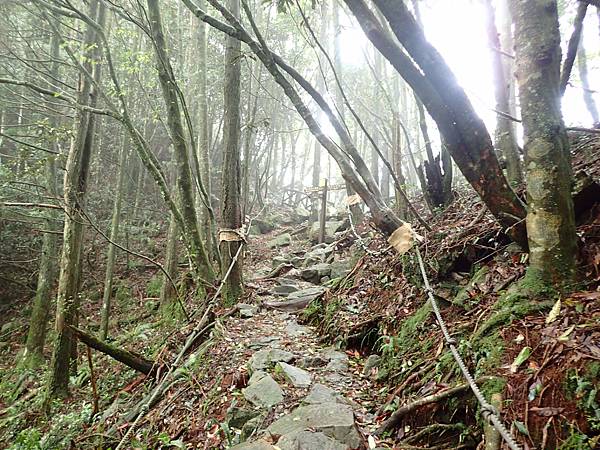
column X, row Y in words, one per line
column 583, row 388
column 154, row 286
column 28, row 439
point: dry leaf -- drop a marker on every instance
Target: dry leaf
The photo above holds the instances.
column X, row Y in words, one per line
column 554, row 313
column 403, row 238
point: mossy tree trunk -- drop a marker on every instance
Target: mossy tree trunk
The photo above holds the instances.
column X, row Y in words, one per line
column 75, row 186
column 36, row 336
column 550, row 217
column 171, row 94
column 231, row 207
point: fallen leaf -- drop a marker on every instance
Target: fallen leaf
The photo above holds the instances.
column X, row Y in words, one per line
column 520, row 359
column 565, row 336
column 554, row 312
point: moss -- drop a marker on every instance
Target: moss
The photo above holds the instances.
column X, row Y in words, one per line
column 312, row 313
column 514, row 304
column 488, row 353
column 494, row 386
column 463, row 297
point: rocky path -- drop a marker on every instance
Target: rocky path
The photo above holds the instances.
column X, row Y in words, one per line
column 300, row 395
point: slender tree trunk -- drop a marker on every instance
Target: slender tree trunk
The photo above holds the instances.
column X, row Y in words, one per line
column 167, row 292
column 191, row 231
column 75, row 185
column 114, row 233
column 505, row 139
column 550, row 217
column 588, row 98
column 206, row 229
column 231, row 210
column 38, row 323
column 572, row 46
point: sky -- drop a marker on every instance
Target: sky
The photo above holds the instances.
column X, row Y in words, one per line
column 457, row 29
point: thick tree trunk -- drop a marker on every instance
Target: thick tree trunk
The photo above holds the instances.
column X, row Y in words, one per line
column 114, row 233
column 505, row 139
column 191, row 231
column 75, row 185
column 231, row 207
column 550, row 216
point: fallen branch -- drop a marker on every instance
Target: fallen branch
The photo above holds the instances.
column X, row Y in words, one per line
column 126, row 357
column 394, row 420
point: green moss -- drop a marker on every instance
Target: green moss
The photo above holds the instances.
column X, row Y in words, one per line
column 488, row 353
column 313, row 312
column 582, row 387
column 514, row 304
column 494, row 386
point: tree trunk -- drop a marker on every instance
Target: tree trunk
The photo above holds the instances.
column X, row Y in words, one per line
column 505, row 138
column 191, row 231
column 572, row 46
column 550, row 217
column 128, row 358
column 114, row 233
column 38, row 323
column 231, row 211
column 75, row 185
column 167, row 292
column 588, row 98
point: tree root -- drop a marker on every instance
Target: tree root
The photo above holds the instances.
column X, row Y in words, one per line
column 394, row 420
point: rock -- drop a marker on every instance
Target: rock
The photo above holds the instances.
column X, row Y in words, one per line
column 371, row 363
column 247, row 311
column 263, row 359
column 297, row 377
column 314, row 273
column 340, row 268
column 312, row 361
column 251, row 427
column 254, row 230
column 298, row 300
column 278, row 261
column 309, row 440
column 258, row 445
column 264, row 226
column 325, row 280
column 322, row 394
column 237, row 417
column 283, row 240
column 257, row 376
column 318, row 254
column 333, row 419
column 338, row 361
column 284, row 289
column 469, row 295
column 263, row 393
column 294, row 329
column 8, row 326
column 265, row 341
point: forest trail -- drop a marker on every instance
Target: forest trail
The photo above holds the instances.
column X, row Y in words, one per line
column 304, row 394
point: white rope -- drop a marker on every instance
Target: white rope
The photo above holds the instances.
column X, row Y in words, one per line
column 488, row 411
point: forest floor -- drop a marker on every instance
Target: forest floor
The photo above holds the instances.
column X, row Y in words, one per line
column 328, row 341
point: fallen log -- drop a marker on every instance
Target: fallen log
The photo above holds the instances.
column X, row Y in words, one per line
column 130, row 359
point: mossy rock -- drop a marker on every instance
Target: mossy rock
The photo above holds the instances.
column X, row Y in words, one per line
column 463, row 297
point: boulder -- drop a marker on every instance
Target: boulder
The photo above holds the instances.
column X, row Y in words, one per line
column 264, row 226
column 314, row 273
column 338, row 361
column 263, row 393
column 283, row 240
column 284, row 289
column 263, row 359
column 332, row 419
column 309, row 440
column 340, row 268
column 294, row 375
column 322, row 394
column 278, row 261
column 295, row 330
column 237, row 417
column 298, row 300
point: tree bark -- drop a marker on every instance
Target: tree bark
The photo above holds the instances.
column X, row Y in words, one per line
column 550, row 217
column 231, row 207
column 75, row 186
column 38, row 323
column 572, row 46
column 191, row 230
column 126, row 357
column 588, row 98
